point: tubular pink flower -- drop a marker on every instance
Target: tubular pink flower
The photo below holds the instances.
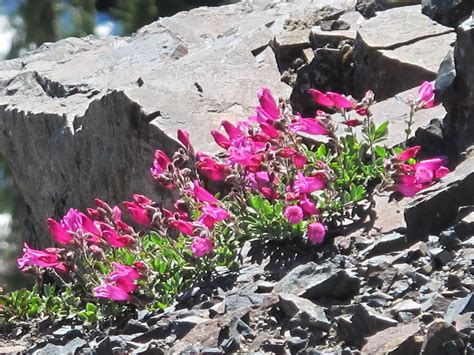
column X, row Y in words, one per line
column 112, row 292
column 426, row 94
column 233, row 132
column 352, row 122
column 117, row 240
column 211, row 169
column 184, row 227
column 42, row 258
column 442, row 172
column 340, row 101
column 294, row 214
column 409, row 190
column 201, row 194
column 308, row 125
column 212, row 214
column 72, row 221
column 321, row 98
column 138, row 213
column 308, row 206
column 160, row 163
column 183, row 137
column 59, row 233
column 316, row 233
column 303, row 184
column 220, row 139
column 124, row 276
column 269, row 130
column 268, row 104
column 408, row 153
column 201, row 246
column 116, row 214
column 142, row 200
column 299, row 160
column 88, row 226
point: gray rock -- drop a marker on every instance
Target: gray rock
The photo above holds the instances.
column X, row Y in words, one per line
column 447, row 12
column 449, row 239
column 66, row 333
column 69, row 348
column 460, row 306
column 436, row 207
column 134, row 326
column 385, row 244
column 81, row 127
column 438, row 333
column 465, row 227
column 313, row 282
column 441, row 256
column 403, row 40
column 399, row 340
column 243, row 301
column 183, row 326
column 455, row 89
column 363, row 322
column 303, row 312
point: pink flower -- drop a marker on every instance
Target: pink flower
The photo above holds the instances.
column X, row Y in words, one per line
column 316, row 232
column 233, row 132
column 201, row 194
column 308, row 206
column 88, row 226
column 426, row 94
column 303, row 184
column 340, row 101
column 110, row 291
column 183, row 137
column 72, row 221
column 114, row 239
column 415, row 178
column 299, row 160
column 116, row 214
column 212, row 214
column 294, row 214
column 211, row 169
column 124, row 276
column 160, row 163
column 138, row 213
column 184, row 227
column 59, row 233
column 352, row 122
column 201, row 246
column 220, row 139
column 321, row 98
column 268, row 104
column 42, row 258
column 308, row 125
column 269, row 130
column 408, row 153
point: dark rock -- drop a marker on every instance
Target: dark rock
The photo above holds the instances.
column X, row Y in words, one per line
column 133, row 327
column 303, row 312
column 364, row 322
column 447, row 12
column 385, row 244
column 296, row 344
column 149, row 349
column 368, row 8
column 334, row 25
column 275, row 346
column 431, row 138
column 453, row 281
column 104, row 347
column 449, row 239
column 230, row 345
column 400, row 288
column 436, row 303
column 159, row 331
column 183, row 326
column 441, row 256
column 243, row 301
column 438, row 333
column 455, row 89
column 399, row 340
column 408, row 306
column 313, row 282
column 465, row 227
column 66, row 333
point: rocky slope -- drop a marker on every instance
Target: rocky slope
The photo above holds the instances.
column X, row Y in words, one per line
column 404, row 285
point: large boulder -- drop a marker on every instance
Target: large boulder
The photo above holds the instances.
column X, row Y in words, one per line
column 447, row 12
column 81, row 118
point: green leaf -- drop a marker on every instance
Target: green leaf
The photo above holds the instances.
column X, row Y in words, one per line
column 380, row 151
column 381, row 131
column 90, row 307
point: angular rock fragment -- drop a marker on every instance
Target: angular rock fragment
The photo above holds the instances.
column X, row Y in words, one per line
column 303, row 312
column 447, row 12
column 411, row 46
column 399, row 340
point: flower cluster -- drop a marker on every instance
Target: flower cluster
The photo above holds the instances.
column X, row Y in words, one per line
column 274, row 173
column 412, row 178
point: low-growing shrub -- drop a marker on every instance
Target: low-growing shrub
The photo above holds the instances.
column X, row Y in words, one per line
column 279, row 176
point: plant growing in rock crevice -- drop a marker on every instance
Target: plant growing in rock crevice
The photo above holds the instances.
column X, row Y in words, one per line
column 281, row 176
